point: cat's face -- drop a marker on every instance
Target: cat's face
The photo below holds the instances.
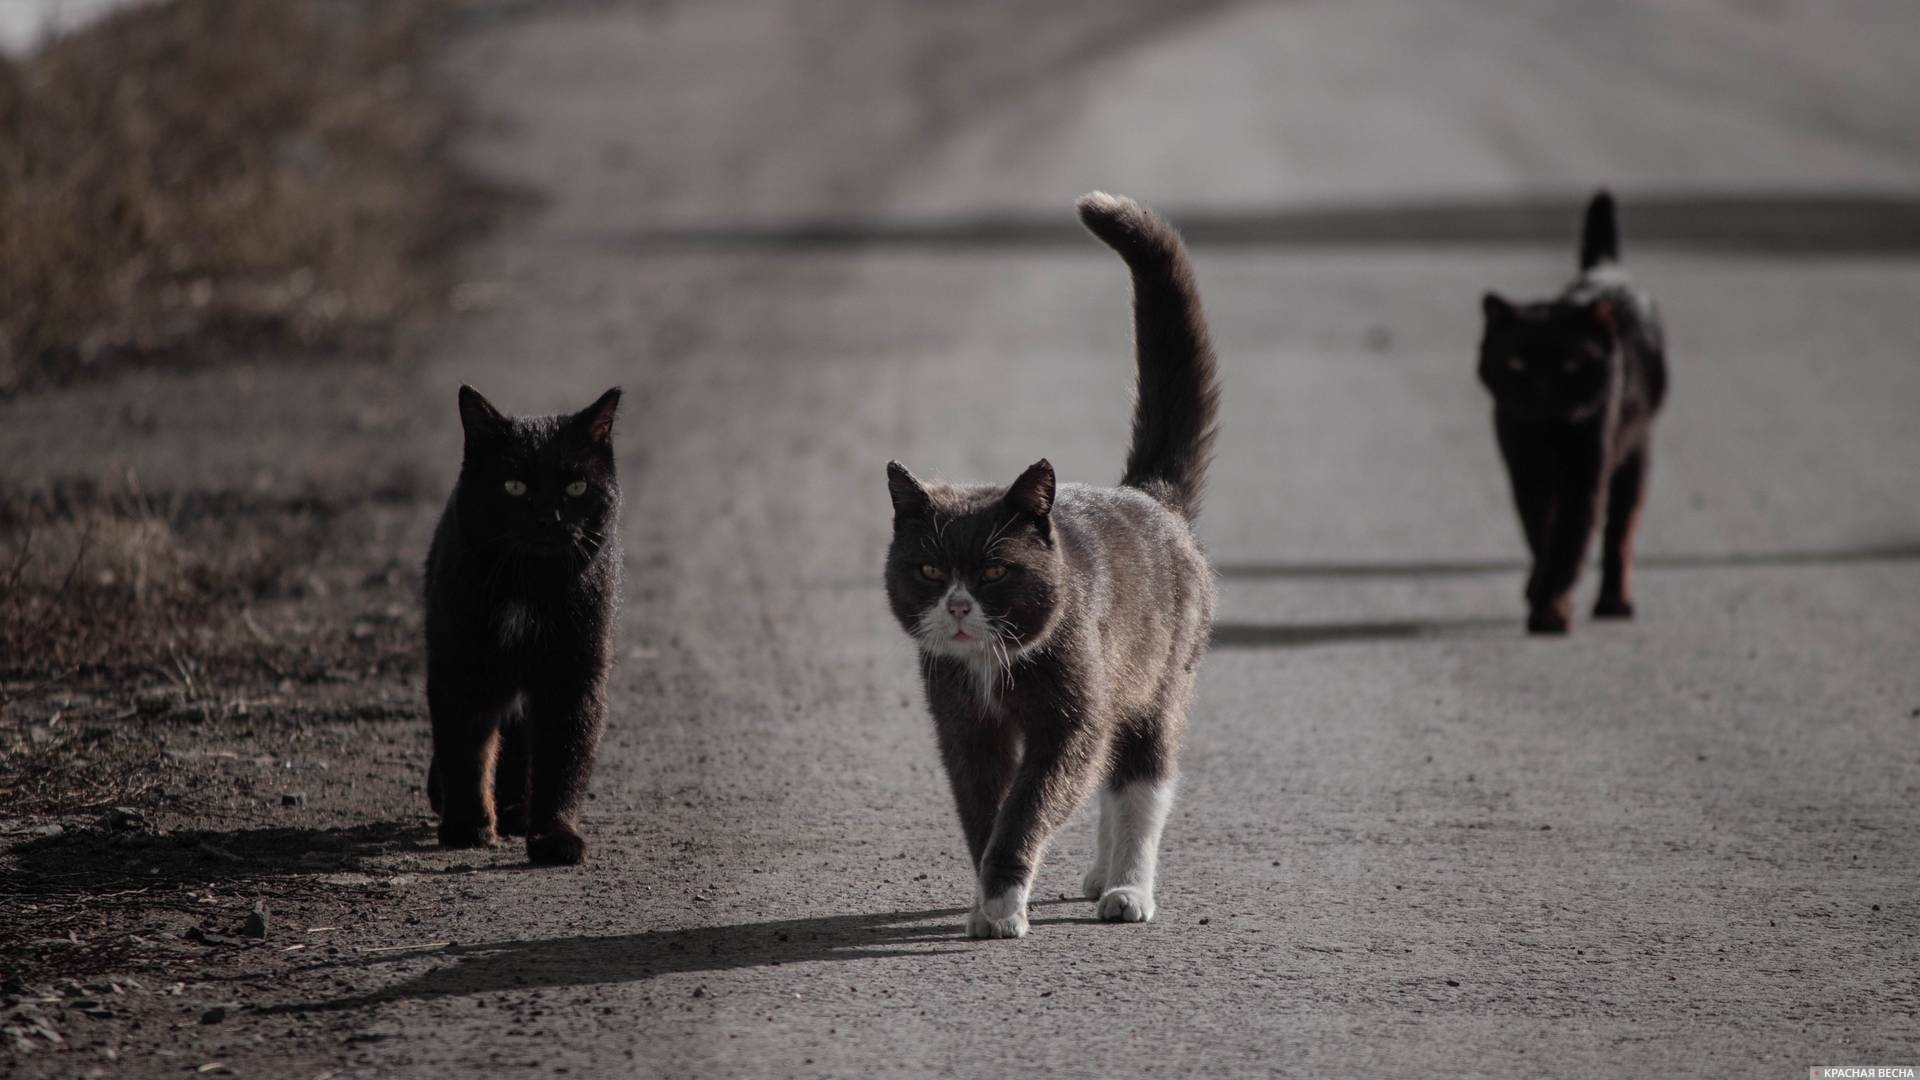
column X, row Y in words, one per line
column 973, row 572
column 1548, row 361
column 540, row 485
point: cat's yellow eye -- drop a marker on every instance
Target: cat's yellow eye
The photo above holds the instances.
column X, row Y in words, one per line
column 516, row 487
column 577, row 488
column 993, row 573
column 932, row 572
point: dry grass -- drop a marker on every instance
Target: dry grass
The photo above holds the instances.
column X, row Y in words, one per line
column 183, row 181
column 118, row 584
column 82, row 771
column 195, row 176
column 109, row 587
column 124, row 615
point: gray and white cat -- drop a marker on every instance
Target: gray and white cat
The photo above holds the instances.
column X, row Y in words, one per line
column 1060, row 628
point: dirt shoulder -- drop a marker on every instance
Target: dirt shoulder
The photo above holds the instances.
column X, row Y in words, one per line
column 227, row 225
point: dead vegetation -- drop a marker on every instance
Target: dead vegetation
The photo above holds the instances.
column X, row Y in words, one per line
column 184, row 181
column 119, row 895
column 190, row 178
column 125, row 611
column 194, row 586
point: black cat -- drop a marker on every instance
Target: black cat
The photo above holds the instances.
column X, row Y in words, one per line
column 523, row 592
column 1576, row 382
column 1060, row 628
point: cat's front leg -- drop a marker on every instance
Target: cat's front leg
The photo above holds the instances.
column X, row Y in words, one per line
column 1094, row 881
column 1003, row 916
column 1550, row 596
column 978, row 751
column 1531, row 477
column 1058, row 768
column 510, row 780
column 564, row 718
column 465, row 740
column 1576, row 510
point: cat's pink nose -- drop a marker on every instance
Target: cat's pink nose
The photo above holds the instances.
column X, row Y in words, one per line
column 958, row 608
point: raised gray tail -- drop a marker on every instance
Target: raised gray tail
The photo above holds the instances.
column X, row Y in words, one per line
column 1600, row 238
column 1177, row 402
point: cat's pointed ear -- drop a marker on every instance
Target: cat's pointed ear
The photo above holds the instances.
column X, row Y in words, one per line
column 909, row 495
column 1032, row 494
column 478, row 417
column 596, row 420
column 1495, row 307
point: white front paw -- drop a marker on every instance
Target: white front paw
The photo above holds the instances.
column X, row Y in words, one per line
column 1000, row 916
column 1125, row 903
column 982, row 925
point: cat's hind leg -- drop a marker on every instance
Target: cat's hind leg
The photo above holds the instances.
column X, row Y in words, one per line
column 1139, row 809
column 1135, row 802
column 1626, row 493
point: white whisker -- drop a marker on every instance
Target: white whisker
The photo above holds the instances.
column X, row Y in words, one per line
column 999, row 534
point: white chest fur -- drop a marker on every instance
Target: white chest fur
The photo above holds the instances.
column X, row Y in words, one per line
column 989, row 678
column 515, row 624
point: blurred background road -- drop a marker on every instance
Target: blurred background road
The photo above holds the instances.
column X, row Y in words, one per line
column 809, row 238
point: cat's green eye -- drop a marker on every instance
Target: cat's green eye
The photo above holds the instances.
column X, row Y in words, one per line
column 577, row 488
column 993, row 573
column 516, row 487
column 932, row 572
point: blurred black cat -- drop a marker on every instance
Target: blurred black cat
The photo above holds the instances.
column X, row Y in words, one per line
column 1576, row 382
column 523, row 591
column 1060, row 629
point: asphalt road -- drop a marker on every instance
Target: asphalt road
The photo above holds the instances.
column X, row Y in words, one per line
column 1410, row 840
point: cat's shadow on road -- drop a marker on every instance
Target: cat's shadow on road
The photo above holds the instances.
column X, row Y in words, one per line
column 1246, row 635
column 545, row 963
column 1252, row 635
column 116, row 854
